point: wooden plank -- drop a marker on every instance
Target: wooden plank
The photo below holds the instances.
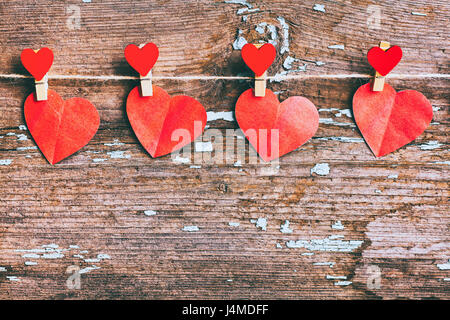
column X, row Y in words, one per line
column 102, row 200
column 196, row 37
column 139, row 227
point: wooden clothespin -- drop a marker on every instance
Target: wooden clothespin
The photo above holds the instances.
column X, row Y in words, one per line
column 41, row 86
column 146, row 82
column 378, row 81
column 38, row 64
column 260, row 82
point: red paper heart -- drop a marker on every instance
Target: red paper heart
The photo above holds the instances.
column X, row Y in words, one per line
column 296, row 120
column 37, row 63
column 259, row 60
column 388, row 120
column 160, row 121
column 60, row 128
column 384, row 61
column 142, row 59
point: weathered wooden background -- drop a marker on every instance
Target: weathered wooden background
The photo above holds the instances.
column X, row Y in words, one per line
column 329, row 222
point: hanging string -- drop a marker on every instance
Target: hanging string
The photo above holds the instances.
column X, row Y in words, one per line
column 231, row 78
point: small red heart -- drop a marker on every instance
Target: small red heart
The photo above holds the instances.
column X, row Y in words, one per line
column 388, row 120
column 60, row 128
column 37, row 63
column 384, row 61
column 160, row 121
column 259, row 60
column 296, row 120
column 142, row 59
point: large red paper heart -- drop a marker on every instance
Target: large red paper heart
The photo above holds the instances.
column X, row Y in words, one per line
column 275, row 128
column 60, row 128
column 259, row 60
column 388, row 120
column 164, row 124
column 142, row 59
column 384, row 61
column 37, row 63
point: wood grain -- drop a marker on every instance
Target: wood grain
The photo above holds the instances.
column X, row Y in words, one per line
column 111, row 199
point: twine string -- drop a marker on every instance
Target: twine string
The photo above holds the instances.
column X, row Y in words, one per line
column 231, row 78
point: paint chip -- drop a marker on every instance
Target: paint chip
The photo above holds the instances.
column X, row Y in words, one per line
column 13, row 278
column 240, row 41
column 191, row 228
column 328, row 277
column 285, row 28
column 308, row 253
column 418, row 14
column 222, row 115
column 5, row 162
column 242, row 2
column 260, row 223
column 99, row 258
column 260, row 28
column 115, row 143
column 444, row 266
column 325, row 264
column 339, row 112
column 321, row 169
column 26, row 148
column 53, row 255
column 430, row 145
column 203, row 146
column 337, row 47
column 31, row 256
column 284, row 228
column 342, row 283
column 443, row 162
column 179, row 159
column 20, row 136
column 319, row 7
column 287, row 64
column 336, row 123
column 88, row 269
column 342, row 139
column 150, row 213
column 338, row 226
column 329, row 244
column 246, row 11
column 118, row 155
